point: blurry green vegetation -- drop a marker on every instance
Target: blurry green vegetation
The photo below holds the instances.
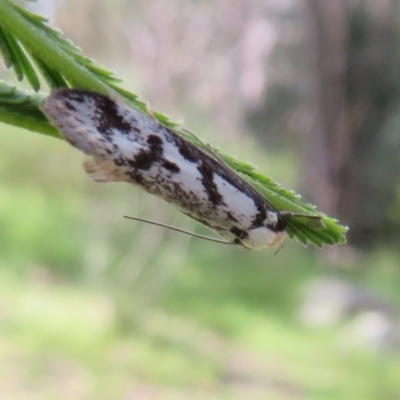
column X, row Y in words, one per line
column 89, row 309
column 62, row 341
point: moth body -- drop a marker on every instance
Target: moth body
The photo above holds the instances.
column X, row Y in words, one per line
column 127, row 145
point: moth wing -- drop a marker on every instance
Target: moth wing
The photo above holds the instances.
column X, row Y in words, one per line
column 103, row 170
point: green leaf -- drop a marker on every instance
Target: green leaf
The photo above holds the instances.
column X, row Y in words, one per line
column 52, row 77
column 6, row 52
column 11, row 57
column 22, row 64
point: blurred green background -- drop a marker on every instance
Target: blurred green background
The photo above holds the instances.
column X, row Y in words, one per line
column 93, row 306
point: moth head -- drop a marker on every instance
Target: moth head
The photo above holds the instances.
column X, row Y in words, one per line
column 270, row 234
column 262, row 237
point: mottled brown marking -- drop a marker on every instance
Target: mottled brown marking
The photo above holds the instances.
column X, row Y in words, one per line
column 170, row 166
column 207, row 179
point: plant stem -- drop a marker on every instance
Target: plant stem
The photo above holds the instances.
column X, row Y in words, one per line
column 25, row 121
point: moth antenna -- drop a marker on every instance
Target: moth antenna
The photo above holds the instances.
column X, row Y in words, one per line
column 279, row 249
column 173, row 228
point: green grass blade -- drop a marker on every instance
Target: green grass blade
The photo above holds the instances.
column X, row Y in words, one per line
column 5, row 50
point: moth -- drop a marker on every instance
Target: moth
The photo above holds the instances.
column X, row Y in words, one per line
column 130, row 146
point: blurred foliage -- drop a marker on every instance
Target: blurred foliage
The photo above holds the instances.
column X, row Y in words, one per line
column 169, row 356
